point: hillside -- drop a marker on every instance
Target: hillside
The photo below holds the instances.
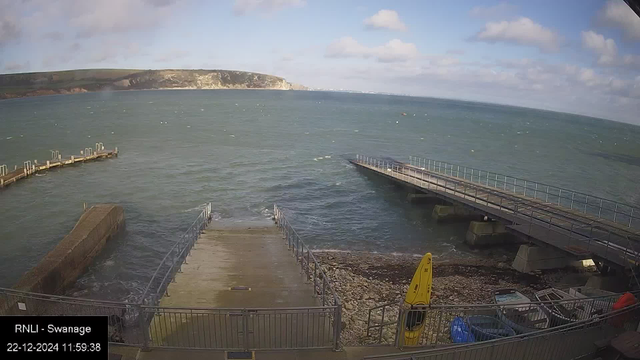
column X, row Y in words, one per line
column 78, row 81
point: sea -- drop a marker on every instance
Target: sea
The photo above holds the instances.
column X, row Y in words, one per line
column 245, row 150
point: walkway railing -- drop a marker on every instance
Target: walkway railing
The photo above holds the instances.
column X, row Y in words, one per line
column 173, row 260
column 617, row 212
column 564, row 342
column 312, row 269
column 618, row 244
column 125, row 322
column 387, row 323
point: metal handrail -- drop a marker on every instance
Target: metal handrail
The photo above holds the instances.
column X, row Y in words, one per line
column 180, row 250
column 591, row 322
column 314, row 273
column 546, row 212
column 530, row 213
column 400, row 309
column 528, row 186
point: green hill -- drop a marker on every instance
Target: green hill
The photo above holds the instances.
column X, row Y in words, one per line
column 77, row 81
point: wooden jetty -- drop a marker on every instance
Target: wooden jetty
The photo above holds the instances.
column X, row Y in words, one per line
column 32, row 167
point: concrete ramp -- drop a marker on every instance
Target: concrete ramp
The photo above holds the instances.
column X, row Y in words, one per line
column 241, row 288
column 240, row 267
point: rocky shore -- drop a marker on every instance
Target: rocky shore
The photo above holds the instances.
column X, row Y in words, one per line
column 365, row 280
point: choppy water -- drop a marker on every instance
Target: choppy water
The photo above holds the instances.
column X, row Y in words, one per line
column 245, row 150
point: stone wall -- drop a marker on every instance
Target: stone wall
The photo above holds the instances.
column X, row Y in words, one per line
column 62, row 266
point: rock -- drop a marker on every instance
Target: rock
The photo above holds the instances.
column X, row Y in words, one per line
column 348, row 306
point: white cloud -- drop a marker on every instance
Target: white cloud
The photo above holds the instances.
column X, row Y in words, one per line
column 92, row 18
column 242, row 7
column 502, row 10
column 287, row 57
column 53, row 36
column 632, row 61
column 522, row 31
column 618, row 14
column 17, row 67
column 393, row 51
column 385, row 19
column 9, row 30
column 606, row 48
column 455, row 52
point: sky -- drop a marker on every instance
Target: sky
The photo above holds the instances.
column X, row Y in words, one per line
column 577, row 56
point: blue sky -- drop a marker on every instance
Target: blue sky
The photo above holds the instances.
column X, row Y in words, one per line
column 579, row 56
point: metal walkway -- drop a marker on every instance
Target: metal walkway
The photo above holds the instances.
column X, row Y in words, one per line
column 582, row 225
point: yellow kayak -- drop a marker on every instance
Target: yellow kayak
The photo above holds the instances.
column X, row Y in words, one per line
column 419, row 293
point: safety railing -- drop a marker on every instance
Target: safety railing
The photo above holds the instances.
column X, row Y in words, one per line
column 312, row 269
column 125, row 322
column 613, row 244
column 242, row 329
column 431, row 325
column 617, row 212
column 173, row 260
column 564, row 342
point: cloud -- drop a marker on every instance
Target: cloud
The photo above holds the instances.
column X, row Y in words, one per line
column 502, row 10
column 618, row 14
column 53, row 36
column 393, row 51
column 606, row 48
column 607, row 51
column 17, row 67
column 9, row 30
column 172, row 55
column 287, row 57
column 632, row 61
column 243, row 7
column 455, row 52
column 91, row 18
column 522, row 31
column 385, row 19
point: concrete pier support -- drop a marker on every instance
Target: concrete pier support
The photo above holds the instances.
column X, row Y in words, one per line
column 482, row 233
column 422, row 198
column 531, row 258
column 453, row 213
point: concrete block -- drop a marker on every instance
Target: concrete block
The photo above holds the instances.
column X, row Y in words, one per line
column 613, row 283
column 452, row 213
column 531, row 258
column 61, row 267
column 482, row 233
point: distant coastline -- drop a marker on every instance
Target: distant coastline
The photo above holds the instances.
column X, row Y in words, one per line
column 93, row 80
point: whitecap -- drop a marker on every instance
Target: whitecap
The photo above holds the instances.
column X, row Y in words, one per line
column 10, row 137
column 327, row 157
column 232, row 135
column 201, row 109
column 188, row 126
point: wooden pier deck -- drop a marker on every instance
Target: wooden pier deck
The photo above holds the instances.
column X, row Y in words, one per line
column 30, row 168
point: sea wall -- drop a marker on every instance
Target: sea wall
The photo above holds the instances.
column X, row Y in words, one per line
column 61, row 267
